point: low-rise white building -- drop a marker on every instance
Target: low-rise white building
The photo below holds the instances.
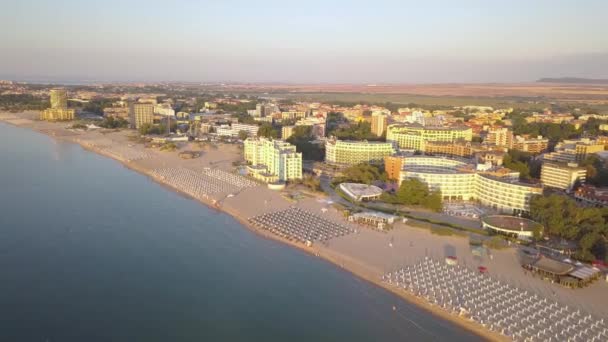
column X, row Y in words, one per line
column 361, row 192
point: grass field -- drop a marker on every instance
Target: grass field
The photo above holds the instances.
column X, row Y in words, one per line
column 524, row 103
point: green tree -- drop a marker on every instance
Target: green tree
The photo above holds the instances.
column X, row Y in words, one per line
column 413, row 192
column 243, row 135
column 268, row 131
column 362, row 173
column 112, row 122
column 433, row 201
column 562, row 217
column 303, row 139
column 358, row 131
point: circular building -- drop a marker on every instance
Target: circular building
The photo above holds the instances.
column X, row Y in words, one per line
column 361, row 192
column 512, row 226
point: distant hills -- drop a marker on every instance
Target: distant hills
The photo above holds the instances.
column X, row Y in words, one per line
column 576, row 80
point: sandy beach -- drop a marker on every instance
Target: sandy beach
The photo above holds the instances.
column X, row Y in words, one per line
column 366, row 253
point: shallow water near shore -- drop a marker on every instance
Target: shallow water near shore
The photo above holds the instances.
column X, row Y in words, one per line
column 93, row 251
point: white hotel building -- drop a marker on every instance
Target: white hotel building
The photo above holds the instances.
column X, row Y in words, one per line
column 458, row 180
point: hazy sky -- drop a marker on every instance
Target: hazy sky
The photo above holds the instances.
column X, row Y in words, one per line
column 303, row 41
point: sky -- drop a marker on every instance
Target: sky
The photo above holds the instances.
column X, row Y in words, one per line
column 312, row 41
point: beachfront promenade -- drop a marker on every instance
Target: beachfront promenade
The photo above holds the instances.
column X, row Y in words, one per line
column 211, row 179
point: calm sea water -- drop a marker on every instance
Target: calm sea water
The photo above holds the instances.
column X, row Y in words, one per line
column 92, row 251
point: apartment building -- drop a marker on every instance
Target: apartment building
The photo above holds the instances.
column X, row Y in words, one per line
column 574, row 150
column 526, row 143
column 499, row 136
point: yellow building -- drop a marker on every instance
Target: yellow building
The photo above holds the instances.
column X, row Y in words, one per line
column 141, row 114
column 292, row 115
column 379, row 123
column 529, row 144
column 59, row 98
column 562, row 176
column 499, row 136
column 57, row 114
column 59, row 107
column 459, row 148
column 272, row 160
column 287, row 131
column 576, row 150
column 346, row 152
column 415, row 137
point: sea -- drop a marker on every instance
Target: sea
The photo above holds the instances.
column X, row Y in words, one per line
column 93, row 251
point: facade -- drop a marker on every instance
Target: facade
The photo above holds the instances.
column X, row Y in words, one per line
column 562, row 176
column 346, row 152
column 372, row 218
column 252, row 130
column 458, row 180
column 292, row 115
column 273, row 160
column 361, row 192
column 529, row 144
column 59, row 107
column 460, row 148
column 225, row 131
column 57, row 114
column 164, row 109
column 59, row 98
column 499, row 137
column 415, row 137
column 317, row 126
column 287, row 132
column 495, row 158
column 141, row 114
column 512, row 226
column 393, row 166
column 575, row 150
column 379, row 123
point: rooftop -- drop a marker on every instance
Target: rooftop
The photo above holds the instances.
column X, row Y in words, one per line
column 361, row 189
column 511, row 223
column 552, row 266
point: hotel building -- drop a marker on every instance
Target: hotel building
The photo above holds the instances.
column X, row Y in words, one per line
column 59, row 107
column 497, row 188
column 460, row 148
column 577, row 150
column 141, row 114
column 272, row 160
column 379, row 123
column 415, row 137
column 562, row 176
column 346, row 152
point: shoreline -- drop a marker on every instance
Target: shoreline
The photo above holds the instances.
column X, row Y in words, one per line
column 337, row 259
